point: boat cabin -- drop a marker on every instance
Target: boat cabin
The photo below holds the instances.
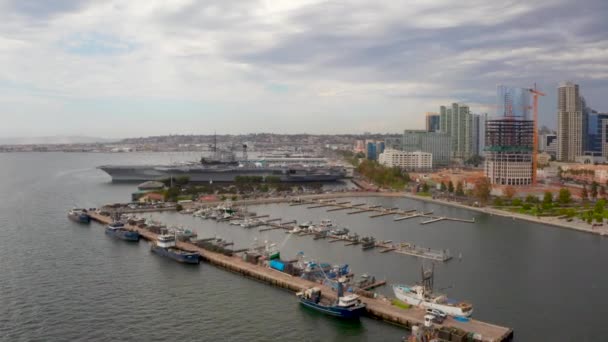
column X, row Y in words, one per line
column 348, row 300
column 116, row 225
column 326, row 223
column 166, row 241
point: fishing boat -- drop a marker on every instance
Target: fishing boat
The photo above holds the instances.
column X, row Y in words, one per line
column 295, row 230
column 368, row 242
column 423, row 296
column 268, row 250
column 327, row 223
column 118, row 230
column 347, row 306
column 339, row 231
column 183, row 234
column 79, row 215
column 165, row 246
column 306, row 224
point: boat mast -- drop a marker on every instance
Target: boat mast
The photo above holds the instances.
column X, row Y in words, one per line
column 428, row 278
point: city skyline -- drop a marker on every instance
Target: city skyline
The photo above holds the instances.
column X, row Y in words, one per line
column 118, row 70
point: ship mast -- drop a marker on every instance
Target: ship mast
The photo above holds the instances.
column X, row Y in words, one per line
column 428, row 278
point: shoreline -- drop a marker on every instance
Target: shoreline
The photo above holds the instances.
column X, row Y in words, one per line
column 549, row 221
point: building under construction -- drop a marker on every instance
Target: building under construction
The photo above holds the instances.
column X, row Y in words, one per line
column 509, row 149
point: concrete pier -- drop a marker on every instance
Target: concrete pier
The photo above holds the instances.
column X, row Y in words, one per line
column 377, row 308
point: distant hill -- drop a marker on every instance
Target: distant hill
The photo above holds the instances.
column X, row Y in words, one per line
column 52, row 140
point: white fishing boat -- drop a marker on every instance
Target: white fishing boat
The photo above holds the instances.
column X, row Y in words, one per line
column 423, row 296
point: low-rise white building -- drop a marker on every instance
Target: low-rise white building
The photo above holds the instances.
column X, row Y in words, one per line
column 411, row 161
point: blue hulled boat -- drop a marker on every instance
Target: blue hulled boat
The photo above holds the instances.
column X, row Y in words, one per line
column 79, row 215
column 165, row 246
column 118, row 230
column 349, row 306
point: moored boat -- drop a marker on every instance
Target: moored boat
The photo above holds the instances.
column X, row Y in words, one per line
column 423, row 295
column 368, row 242
column 118, row 230
column 165, row 246
column 349, row 306
column 79, row 215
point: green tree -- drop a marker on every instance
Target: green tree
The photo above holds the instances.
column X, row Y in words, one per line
column 171, row 194
column 443, row 187
column 272, row 179
column 475, row 160
column 516, row 202
column 564, row 196
column 531, row 199
column 548, row 198
column 594, row 189
column 599, row 206
column 509, row 192
column 483, row 188
column 425, row 187
column 181, row 180
column 450, row 187
column 584, row 193
column 459, row 189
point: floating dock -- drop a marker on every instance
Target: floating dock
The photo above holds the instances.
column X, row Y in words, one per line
column 360, row 208
column 377, row 308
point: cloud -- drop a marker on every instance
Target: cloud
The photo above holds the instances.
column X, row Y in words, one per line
column 313, row 62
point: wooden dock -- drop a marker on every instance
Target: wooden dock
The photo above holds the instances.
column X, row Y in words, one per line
column 377, row 308
column 374, row 285
column 360, row 208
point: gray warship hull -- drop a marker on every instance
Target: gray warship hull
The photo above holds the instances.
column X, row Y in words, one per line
column 199, row 173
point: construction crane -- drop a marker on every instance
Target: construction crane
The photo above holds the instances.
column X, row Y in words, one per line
column 535, row 94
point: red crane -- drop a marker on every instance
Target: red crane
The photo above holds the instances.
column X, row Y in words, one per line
column 535, row 94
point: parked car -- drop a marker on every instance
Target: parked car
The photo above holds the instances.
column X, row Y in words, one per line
column 436, row 313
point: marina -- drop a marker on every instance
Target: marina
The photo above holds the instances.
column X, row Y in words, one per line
column 378, row 308
column 360, row 208
column 366, row 243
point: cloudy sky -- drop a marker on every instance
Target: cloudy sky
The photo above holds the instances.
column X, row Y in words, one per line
column 143, row 67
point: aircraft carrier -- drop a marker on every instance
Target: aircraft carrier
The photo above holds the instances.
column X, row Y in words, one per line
column 225, row 168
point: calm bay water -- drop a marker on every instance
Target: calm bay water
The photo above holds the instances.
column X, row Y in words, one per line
column 61, row 281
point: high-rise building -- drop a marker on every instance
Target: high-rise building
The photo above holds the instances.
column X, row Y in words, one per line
column 509, row 139
column 478, row 134
column 482, row 134
column 373, row 149
column 443, row 119
column 433, row 122
column 457, row 122
column 569, row 122
column 393, row 142
column 436, row 143
column 509, row 151
column 548, row 143
column 604, row 136
column 513, row 102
